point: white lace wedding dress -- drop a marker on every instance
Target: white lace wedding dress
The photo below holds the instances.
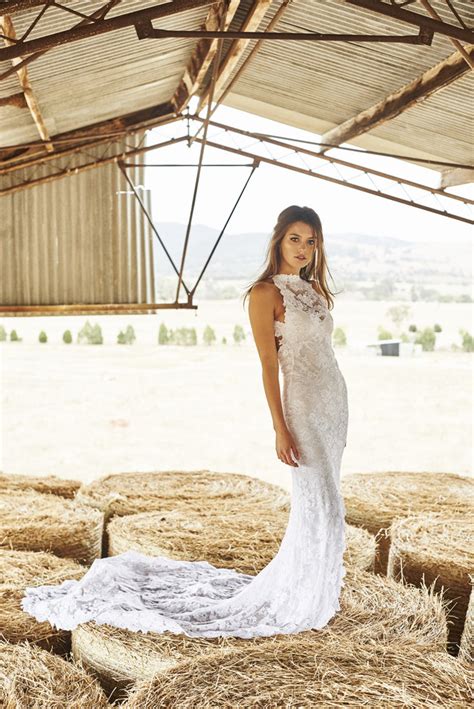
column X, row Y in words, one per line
column 300, row 587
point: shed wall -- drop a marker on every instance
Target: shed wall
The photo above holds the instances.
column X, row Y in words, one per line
column 79, row 239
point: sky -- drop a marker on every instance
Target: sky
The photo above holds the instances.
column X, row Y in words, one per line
column 272, row 188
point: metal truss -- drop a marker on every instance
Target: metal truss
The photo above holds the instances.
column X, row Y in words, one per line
column 341, row 172
column 97, row 23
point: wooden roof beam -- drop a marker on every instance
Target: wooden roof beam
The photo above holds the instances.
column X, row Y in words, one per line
column 203, row 54
column 7, row 28
column 455, row 177
column 433, row 80
column 18, row 100
column 26, row 154
column 252, row 21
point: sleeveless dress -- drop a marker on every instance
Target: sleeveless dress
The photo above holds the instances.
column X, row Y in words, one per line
column 299, row 589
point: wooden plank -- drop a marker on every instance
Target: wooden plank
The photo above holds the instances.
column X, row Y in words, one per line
column 458, row 176
column 434, row 79
column 7, row 28
column 203, row 55
column 252, row 21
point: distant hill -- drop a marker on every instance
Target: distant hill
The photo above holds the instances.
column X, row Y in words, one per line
column 352, row 257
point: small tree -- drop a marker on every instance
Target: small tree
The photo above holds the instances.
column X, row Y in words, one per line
column 3, row 334
column 398, row 313
column 14, row 337
column 209, row 336
column 90, row 334
column 427, row 339
column 339, row 337
column 42, row 336
column 239, row 334
column 412, row 328
column 163, row 335
column 384, row 334
column 437, row 328
column 127, row 337
column 467, row 341
column 186, row 336
column 67, row 337
column 224, row 340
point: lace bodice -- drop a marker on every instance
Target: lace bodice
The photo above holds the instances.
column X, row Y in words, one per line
column 304, row 338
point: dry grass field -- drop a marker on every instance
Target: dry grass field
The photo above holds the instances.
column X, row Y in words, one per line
column 82, row 410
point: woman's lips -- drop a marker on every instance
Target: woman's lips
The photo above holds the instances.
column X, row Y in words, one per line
column 300, row 258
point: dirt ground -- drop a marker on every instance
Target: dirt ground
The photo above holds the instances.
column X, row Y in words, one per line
column 82, row 411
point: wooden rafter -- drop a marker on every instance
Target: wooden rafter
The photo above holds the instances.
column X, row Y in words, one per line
column 458, row 176
column 433, row 80
column 28, row 154
column 18, row 100
column 203, row 54
column 252, row 21
column 7, row 28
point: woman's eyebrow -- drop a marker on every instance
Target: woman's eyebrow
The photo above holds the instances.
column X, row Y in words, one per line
column 293, row 234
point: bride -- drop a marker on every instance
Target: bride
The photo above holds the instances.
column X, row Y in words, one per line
column 299, row 589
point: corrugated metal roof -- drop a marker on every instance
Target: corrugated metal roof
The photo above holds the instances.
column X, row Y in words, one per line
column 333, row 81
column 97, row 78
column 311, row 84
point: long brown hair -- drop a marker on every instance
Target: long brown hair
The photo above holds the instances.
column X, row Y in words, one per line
column 312, row 270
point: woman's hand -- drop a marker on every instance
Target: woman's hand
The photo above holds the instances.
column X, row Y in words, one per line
column 285, row 446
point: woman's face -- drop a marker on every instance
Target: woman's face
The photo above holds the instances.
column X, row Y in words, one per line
column 297, row 246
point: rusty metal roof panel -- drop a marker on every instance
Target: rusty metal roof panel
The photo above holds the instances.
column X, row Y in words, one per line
column 97, row 78
column 331, row 82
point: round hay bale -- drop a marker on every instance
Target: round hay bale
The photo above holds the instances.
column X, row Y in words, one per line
column 374, row 500
column 436, row 548
column 301, row 672
column 466, row 648
column 130, row 493
column 49, row 484
column 36, row 521
column 242, row 541
column 19, row 569
column 31, row 678
column 374, row 609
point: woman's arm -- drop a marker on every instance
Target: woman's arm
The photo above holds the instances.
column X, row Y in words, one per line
column 261, row 313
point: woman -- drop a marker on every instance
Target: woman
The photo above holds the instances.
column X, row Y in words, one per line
column 299, row 589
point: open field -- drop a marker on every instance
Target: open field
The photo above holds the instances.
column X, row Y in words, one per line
column 83, row 411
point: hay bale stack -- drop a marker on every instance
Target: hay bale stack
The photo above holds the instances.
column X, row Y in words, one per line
column 49, row 484
column 36, row 521
column 241, row 541
column 32, row 678
column 374, row 500
column 130, row 493
column 436, row 549
column 466, row 648
column 300, row 672
column 374, row 610
column 19, row 569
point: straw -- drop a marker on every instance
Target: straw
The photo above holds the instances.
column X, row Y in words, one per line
column 244, row 541
column 374, row 610
column 49, row 484
column 19, row 569
column 374, row 500
column 36, row 521
column 130, row 493
column 466, row 648
column 325, row 671
column 436, row 548
column 32, row 678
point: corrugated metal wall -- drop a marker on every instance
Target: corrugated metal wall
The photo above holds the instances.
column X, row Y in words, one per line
column 78, row 239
